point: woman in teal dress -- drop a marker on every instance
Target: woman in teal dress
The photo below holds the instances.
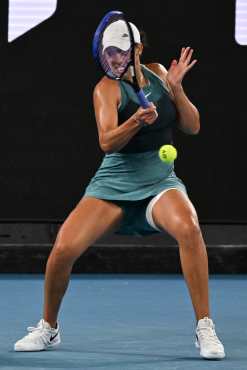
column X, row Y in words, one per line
column 133, row 192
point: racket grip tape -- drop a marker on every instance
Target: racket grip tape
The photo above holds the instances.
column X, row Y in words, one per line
column 144, row 102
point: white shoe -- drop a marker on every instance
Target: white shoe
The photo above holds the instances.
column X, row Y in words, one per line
column 210, row 346
column 39, row 338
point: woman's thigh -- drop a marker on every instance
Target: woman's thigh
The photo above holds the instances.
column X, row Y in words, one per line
column 91, row 219
column 175, row 213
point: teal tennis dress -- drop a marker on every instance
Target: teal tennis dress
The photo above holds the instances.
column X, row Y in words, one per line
column 131, row 177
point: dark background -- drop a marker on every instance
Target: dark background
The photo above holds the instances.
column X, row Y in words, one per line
column 48, row 141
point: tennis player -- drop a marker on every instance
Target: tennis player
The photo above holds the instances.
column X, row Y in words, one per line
column 133, row 192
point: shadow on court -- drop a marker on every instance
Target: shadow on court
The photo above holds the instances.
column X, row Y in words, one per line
column 117, row 360
column 77, row 360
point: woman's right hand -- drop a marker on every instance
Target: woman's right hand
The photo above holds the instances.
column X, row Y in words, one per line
column 146, row 115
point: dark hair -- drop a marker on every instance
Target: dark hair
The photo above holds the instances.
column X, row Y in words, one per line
column 144, row 39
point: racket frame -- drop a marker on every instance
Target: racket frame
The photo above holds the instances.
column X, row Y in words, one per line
column 96, row 47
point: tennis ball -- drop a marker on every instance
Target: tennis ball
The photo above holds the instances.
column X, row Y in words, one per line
column 167, row 153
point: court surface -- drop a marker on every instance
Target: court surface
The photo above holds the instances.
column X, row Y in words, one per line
column 123, row 322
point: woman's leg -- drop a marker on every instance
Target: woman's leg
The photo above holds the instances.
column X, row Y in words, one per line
column 91, row 219
column 174, row 213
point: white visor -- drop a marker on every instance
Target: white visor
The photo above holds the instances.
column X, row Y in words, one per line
column 117, row 35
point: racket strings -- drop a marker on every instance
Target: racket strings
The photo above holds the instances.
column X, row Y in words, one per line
column 114, row 60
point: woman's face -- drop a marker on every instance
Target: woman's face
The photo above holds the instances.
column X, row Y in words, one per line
column 117, row 60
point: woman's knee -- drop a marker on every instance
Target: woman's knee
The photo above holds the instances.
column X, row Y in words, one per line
column 65, row 250
column 188, row 231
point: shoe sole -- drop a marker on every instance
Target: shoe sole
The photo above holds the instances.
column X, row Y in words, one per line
column 211, row 357
column 49, row 347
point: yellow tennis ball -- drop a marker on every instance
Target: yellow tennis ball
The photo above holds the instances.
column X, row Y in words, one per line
column 167, row 153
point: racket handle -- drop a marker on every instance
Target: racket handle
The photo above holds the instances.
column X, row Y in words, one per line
column 144, row 102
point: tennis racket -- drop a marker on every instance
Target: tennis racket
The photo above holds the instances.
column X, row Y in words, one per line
column 114, row 50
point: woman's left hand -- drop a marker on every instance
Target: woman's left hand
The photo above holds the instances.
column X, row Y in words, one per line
column 178, row 69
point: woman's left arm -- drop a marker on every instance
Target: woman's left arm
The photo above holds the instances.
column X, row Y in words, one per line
column 188, row 115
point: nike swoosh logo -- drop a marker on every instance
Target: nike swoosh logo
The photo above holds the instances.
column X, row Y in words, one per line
column 53, row 337
column 148, row 94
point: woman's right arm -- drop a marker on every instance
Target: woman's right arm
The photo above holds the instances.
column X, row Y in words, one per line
column 113, row 137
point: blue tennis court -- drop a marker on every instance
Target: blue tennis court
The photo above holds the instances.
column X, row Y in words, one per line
column 124, row 322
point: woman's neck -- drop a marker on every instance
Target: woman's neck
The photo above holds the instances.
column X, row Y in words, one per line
column 142, row 80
